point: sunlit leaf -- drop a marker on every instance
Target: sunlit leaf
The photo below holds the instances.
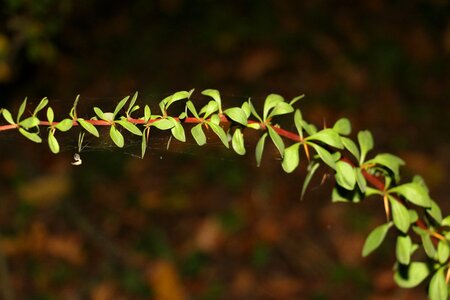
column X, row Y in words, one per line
column 438, row 289
column 163, row 124
column 147, row 113
column 253, row 111
column 362, row 184
column 64, row 125
column 31, row 135
column 7, row 116
column 365, row 140
column 298, row 122
column 40, row 106
column 277, row 140
column 281, row 109
column 271, row 101
column 50, row 114
column 238, row 142
column 116, row 136
column 375, row 238
column 131, row 104
column 176, row 97
column 220, row 133
column 129, row 126
column 198, row 134
column 389, row 161
column 52, row 142
column 29, row 122
column 237, row 114
column 120, row 105
column 101, row 114
column 324, row 155
column 312, row 168
column 403, row 249
column 413, row 192
column 415, row 273
column 351, row 147
column 178, row 132
column 191, row 107
column 88, row 127
column 434, row 211
column 342, row 126
column 443, row 251
column 260, row 149
column 21, row 110
column 209, row 109
column 291, row 158
column 345, row 175
column 215, row 94
column 400, row 215
column 327, row 136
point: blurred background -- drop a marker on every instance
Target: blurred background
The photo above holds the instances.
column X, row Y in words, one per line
column 203, row 223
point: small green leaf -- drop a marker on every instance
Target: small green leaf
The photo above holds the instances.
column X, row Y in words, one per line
column 147, row 113
column 246, row 109
column 116, row 136
column 191, row 107
column 403, row 249
column 345, row 175
column 198, row 134
column 163, row 124
column 342, row 126
column 88, row 127
column 178, row 132
column 144, row 142
column 312, row 168
column 238, row 142
column 101, row 114
column 298, row 122
column 291, row 158
column 237, row 114
column 351, row 147
column 50, row 114
column 40, row 106
column 296, row 99
column 271, row 101
column 389, row 161
column 131, row 104
column 220, row 133
column 443, row 251
column 375, row 238
column 327, row 136
column 53, row 142
column 21, row 110
column 324, row 155
column 415, row 273
column 216, row 96
column 371, row 191
column 253, row 111
column 400, row 215
column 31, row 135
column 64, row 125
column 434, row 211
column 281, row 108
column 7, row 116
column 260, row 149
column 119, row 106
column 362, row 184
column 428, row 245
column 438, row 289
column 129, row 126
column 209, row 109
column 276, row 139
column 365, row 140
column 215, row 119
column 29, row 122
column 413, row 192
column 309, row 128
column 176, row 97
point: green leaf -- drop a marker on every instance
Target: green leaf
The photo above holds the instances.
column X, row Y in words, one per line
column 312, row 168
column 296, row 99
column 291, row 158
column 101, row 114
column 40, row 106
column 281, row 108
column 52, row 142
column 415, row 273
column 342, row 126
column 400, row 215
column 428, row 245
column 215, row 119
column 198, row 134
column 276, row 140
column 260, row 149
column 64, row 125
column 129, row 126
column 144, row 142
column 413, row 192
column 29, row 122
column 191, row 107
column 434, row 211
column 340, row 194
column 176, row 97
column 309, row 128
column 389, row 161
column 371, row 191
column 324, row 155
column 209, row 109
column 21, row 110
column 246, row 109
column 147, row 113
column 73, row 110
column 31, row 135
column 253, row 111
column 116, row 136
column 178, row 132
column 237, row 114
column 345, row 175
column 238, row 142
column 375, row 238
column 351, row 147
column 88, row 127
column 220, row 133
column 403, row 249
column 438, row 289
column 163, row 124
column 7, row 116
column 365, row 140
column 50, row 115
column 298, row 122
column 362, row 184
column 216, row 96
column 131, row 104
column 327, row 136
column 120, row 105
column 271, row 101
column 443, row 251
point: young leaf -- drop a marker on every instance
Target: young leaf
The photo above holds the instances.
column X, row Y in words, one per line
column 296, row 99
column 260, row 149
column 298, row 122
column 52, row 142
column 276, row 140
column 246, row 109
column 281, row 109
column 342, row 126
column 271, row 101
column 443, row 251
column 438, row 289
column 129, row 126
column 101, row 114
column 178, row 132
column 238, row 142
column 365, row 140
column 413, row 192
column 88, row 127
column 351, row 147
column 144, row 142
column 434, row 211
column 131, row 104
column 389, row 161
column 220, row 133
column 147, row 113
column 324, row 155
column 253, row 111
column 50, row 115
column 291, row 158
column 198, row 134
column 191, row 107
column 345, row 175
column 215, row 119
column 21, row 110
column 362, row 184
column 7, row 116
column 375, row 238
column 209, row 109
column 216, row 96
column 176, row 97
column 120, row 105
column 237, row 114
column 400, row 215
column 327, row 136
column 415, row 274
column 403, row 249
column 116, row 136
column 40, row 106
column 64, row 125
column 309, row 128
column 31, row 135
column 163, row 124
column 29, row 122
column 312, row 168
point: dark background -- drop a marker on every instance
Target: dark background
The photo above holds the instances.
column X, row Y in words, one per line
column 203, row 223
